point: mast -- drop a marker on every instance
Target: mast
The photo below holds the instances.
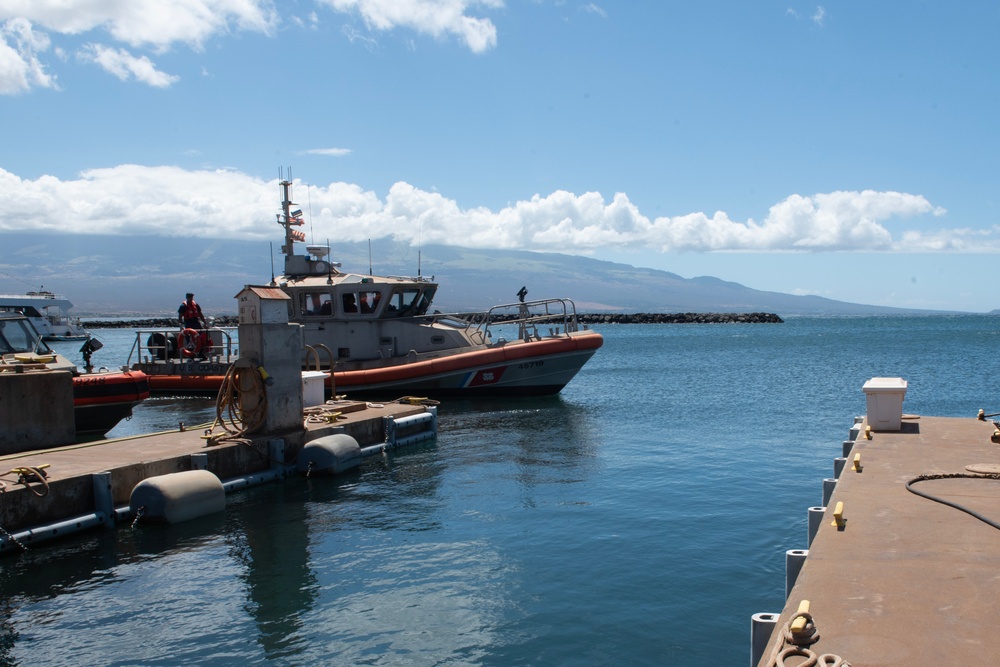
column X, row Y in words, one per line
column 315, row 262
column 289, row 219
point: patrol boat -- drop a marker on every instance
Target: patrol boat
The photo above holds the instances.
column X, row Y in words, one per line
column 376, row 335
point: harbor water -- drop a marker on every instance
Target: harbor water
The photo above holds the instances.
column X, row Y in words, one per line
column 640, row 517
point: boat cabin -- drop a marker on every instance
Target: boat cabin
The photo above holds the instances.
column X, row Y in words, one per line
column 359, row 300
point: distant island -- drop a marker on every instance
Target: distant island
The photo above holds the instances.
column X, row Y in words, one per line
column 583, row 318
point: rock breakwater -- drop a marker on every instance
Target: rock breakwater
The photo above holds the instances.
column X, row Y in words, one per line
column 583, row 318
column 679, row 318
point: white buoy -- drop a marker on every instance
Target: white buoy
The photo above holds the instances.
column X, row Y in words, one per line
column 178, row 497
column 329, row 455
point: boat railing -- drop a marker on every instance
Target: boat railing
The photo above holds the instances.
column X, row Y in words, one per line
column 214, row 343
column 532, row 320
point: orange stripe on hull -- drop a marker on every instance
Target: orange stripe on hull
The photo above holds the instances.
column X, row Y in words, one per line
column 408, row 372
column 106, row 388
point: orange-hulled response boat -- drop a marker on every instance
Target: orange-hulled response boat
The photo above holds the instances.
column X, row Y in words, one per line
column 377, row 335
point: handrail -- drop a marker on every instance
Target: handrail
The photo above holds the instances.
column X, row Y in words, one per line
column 311, row 353
column 529, row 314
column 165, row 350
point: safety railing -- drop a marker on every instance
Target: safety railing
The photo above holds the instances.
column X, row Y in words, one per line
column 170, row 344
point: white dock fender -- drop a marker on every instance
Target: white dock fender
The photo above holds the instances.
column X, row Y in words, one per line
column 178, row 497
column 329, row 455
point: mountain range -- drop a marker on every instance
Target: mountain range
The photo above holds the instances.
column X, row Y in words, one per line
column 149, row 275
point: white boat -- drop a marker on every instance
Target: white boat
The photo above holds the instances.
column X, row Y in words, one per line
column 378, row 336
column 101, row 398
column 48, row 313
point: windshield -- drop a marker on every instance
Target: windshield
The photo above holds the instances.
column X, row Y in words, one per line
column 19, row 336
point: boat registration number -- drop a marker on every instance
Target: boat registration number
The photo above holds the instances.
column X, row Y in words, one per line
column 530, row 364
column 100, row 379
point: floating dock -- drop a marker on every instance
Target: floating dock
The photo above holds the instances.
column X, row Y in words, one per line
column 90, row 484
column 895, row 578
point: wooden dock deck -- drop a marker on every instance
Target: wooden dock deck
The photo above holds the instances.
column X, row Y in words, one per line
column 906, row 580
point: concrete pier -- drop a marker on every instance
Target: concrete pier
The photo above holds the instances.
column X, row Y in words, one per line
column 901, row 579
column 123, row 463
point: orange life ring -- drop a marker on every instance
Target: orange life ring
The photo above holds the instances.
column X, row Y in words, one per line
column 189, row 342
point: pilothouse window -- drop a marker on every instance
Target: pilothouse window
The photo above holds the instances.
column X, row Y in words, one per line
column 364, row 302
column 402, row 302
column 369, row 301
column 315, row 304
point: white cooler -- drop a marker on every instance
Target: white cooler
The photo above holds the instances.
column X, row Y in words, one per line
column 885, row 403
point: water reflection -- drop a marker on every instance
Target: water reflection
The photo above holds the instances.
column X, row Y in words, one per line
column 271, row 540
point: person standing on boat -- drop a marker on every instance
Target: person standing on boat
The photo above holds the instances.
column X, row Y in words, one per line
column 191, row 317
column 190, row 314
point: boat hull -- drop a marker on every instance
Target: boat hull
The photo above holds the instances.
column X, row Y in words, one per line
column 534, row 368
column 101, row 400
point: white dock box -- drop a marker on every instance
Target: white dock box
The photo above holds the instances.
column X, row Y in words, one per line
column 312, row 388
column 885, row 403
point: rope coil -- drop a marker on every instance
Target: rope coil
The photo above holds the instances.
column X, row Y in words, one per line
column 231, row 411
column 26, row 476
column 794, row 644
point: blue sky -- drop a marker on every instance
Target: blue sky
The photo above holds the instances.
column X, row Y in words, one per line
column 847, row 149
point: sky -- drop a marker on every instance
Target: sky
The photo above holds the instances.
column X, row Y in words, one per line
column 848, row 149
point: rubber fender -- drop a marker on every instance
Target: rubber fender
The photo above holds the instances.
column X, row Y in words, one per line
column 178, row 497
column 330, row 455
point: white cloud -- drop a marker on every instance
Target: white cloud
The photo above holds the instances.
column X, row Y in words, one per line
column 819, row 15
column 152, row 24
column 170, row 201
column 333, row 152
column 125, row 66
column 149, row 23
column 432, row 17
column 20, row 68
column 158, row 25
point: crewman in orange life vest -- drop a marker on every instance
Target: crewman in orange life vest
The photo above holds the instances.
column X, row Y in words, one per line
column 190, row 314
column 191, row 317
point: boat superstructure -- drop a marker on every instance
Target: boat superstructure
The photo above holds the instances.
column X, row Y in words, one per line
column 377, row 334
column 48, row 312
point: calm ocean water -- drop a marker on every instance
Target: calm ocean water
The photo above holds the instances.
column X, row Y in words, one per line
column 640, row 517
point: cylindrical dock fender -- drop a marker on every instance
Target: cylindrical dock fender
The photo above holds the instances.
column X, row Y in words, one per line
column 178, row 497
column 815, row 521
column 847, row 446
column 329, row 455
column 838, row 466
column 829, row 486
column 761, row 628
column 794, row 560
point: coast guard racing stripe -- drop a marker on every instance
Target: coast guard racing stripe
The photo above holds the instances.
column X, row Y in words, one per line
column 484, row 377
